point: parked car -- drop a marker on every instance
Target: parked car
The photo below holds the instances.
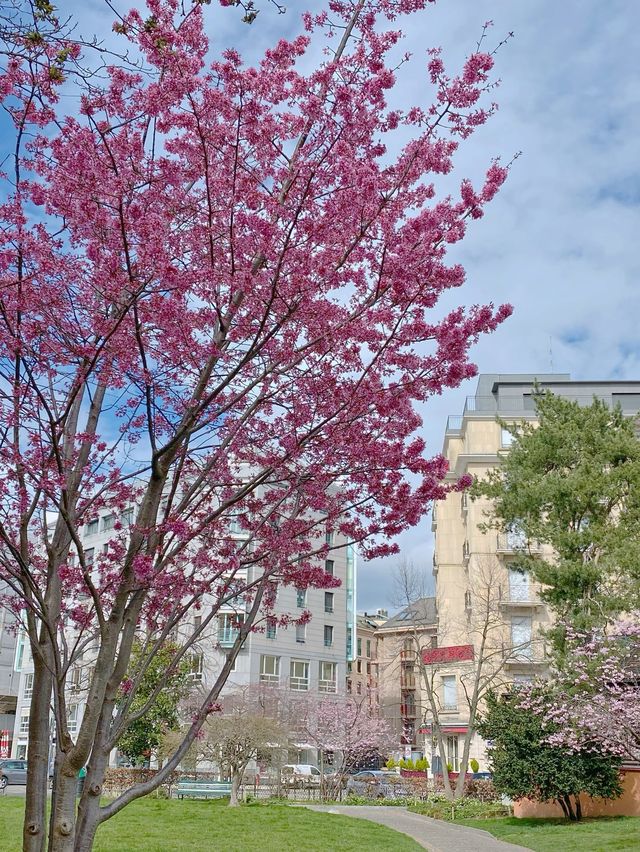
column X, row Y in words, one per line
column 12, row 772
column 301, row 774
column 376, row 784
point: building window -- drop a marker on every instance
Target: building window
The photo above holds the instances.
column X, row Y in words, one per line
column 368, row 647
column 329, row 537
column 449, row 692
column 228, row 628
column 359, row 666
column 75, row 679
column 368, row 668
column 72, row 718
column 272, row 627
column 108, row 523
column 92, row 527
column 452, row 753
column 518, row 585
column 197, row 622
column 301, row 633
column 301, row 598
column 521, row 636
column 24, row 724
column 28, row 686
column 328, row 601
column 359, row 647
column 269, row 669
column 328, row 635
column 359, row 687
column 195, row 666
column 299, row 675
column 349, row 686
column 506, row 438
column 328, row 679
column 329, row 567
column 126, row 519
column 434, row 641
column 89, row 555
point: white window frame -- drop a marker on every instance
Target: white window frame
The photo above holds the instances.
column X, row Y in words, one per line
column 327, row 676
column 329, row 601
column 301, row 634
column 23, row 730
column 108, row 522
column 299, row 675
column 328, row 632
column 449, row 692
column 269, row 669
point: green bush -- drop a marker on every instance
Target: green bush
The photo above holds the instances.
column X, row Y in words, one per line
column 475, row 766
column 391, row 764
column 439, row 807
column 422, row 764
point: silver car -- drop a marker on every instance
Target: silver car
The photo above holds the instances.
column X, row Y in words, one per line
column 376, row 784
column 12, row 772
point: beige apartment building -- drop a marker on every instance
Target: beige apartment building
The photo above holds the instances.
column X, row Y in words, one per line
column 475, row 581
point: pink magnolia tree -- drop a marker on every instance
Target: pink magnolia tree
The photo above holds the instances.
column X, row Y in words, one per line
column 345, row 727
column 596, row 702
column 217, row 308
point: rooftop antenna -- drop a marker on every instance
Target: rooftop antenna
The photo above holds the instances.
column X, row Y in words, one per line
column 550, row 354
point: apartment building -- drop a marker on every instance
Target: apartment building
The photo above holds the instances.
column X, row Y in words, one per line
column 473, row 569
column 309, row 659
column 9, row 677
column 362, row 672
column 401, row 703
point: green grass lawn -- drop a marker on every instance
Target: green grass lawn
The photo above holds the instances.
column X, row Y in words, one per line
column 157, row 825
column 550, row 835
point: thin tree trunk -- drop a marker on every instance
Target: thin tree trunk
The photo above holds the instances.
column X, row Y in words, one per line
column 578, row 808
column 563, row 805
column 235, row 783
column 34, row 834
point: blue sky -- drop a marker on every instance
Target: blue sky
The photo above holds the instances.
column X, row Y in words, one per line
column 559, row 241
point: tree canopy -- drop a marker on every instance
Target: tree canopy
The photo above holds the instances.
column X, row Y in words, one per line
column 526, row 765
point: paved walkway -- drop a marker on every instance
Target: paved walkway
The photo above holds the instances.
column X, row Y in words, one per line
column 434, row 834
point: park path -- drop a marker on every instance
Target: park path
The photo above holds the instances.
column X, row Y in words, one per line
column 433, row 834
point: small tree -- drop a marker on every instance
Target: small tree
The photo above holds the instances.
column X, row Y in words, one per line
column 235, row 736
column 345, row 727
column 152, row 719
column 572, row 481
column 526, row 765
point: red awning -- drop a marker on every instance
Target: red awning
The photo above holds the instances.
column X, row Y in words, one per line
column 446, row 729
column 447, row 654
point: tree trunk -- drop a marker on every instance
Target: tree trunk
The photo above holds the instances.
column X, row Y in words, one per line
column 563, row 805
column 64, row 815
column 569, row 807
column 578, row 808
column 89, row 805
column 235, row 783
column 464, row 763
column 34, row 833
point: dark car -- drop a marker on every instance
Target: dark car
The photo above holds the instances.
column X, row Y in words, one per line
column 12, row 772
column 376, row 784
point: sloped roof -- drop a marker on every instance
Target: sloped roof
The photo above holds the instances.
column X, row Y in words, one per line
column 422, row 612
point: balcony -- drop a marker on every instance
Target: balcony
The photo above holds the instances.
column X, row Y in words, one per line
column 407, row 681
column 516, row 543
column 516, row 599
column 407, row 654
column 454, row 424
column 466, row 552
column 227, row 636
column 528, row 657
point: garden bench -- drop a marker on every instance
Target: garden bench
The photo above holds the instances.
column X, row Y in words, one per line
column 192, row 788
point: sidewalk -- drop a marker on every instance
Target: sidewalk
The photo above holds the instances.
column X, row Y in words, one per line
column 433, row 834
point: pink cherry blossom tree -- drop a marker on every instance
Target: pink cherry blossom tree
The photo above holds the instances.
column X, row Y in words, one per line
column 216, row 307
column 345, row 727
column 595, row 701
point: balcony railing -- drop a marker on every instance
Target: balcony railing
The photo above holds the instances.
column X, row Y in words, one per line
column 407, row 681
column 516, row 543
column 408, row 711
column 227, row 636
